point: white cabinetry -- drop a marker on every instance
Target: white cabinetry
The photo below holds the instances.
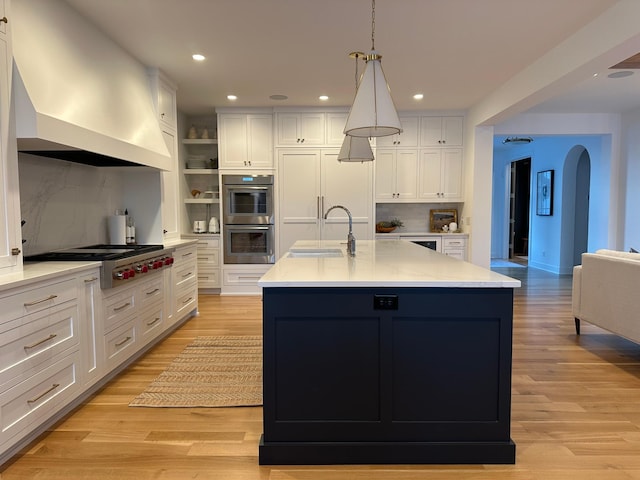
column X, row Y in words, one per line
column 311, row 181
column 245, row 140
column 91, row 326
column 164, row 99
column 396, row 175
column 441, row 174
column 10, row 235
column 408, row 137
column 204, row 180
column 185, row 281
column 300, row 128
column 335, row 128
column 208, row 254
column 170, row 189
column 455, row 246
column 441, row 131
column 41, row 356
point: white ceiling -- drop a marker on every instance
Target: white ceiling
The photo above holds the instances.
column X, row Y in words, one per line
column 456, row 52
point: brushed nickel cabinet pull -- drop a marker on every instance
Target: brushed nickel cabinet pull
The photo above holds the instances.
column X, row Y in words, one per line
column 117, row 309
column 119, row 344
column 153, row 322
column 187, row 254
column 187, row 300
column 53, row 387
column 31, row 304
column 90, row 280
column 153, row 291
column 34, row 345
column 187, row 274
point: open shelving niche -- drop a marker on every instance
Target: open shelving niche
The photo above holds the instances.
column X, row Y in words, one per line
column 203, row 179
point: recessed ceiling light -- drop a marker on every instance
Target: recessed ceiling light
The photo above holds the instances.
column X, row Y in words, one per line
column 278, row 97
column 323, row 98
column 232, row 97
column 198, row 57
column 622, row 74
column 418, row 96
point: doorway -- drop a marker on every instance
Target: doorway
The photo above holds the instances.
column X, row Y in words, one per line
column 520, row 197
column 581, row 219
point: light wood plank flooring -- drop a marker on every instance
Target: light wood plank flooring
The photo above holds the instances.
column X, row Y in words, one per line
column 575, row 414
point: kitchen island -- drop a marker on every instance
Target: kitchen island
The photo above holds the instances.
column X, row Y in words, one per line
column 397, row 355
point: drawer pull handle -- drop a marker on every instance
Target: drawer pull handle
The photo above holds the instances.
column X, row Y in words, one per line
column 34, row 345
column 90, row 280
column 187, row 300
column 153, row 322
column 187, row 275
column 53, row 387
column 187, row 254
column 122, row 342
column 153, row 291
column 121, row 307
column 31, row 304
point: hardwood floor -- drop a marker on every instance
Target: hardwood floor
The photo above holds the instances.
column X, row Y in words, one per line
column 575, row 413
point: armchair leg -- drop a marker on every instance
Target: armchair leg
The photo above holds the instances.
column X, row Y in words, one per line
column 577, row 320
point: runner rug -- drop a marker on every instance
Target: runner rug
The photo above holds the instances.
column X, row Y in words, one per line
column 210, row 372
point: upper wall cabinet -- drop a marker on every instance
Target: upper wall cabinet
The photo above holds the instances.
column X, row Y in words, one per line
column 245, row 141
column 441, row 131
column 300, row 128
column 164, row 99
column 408, row 137
column 335, row 128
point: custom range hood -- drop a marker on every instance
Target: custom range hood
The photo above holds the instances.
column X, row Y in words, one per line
column 78, row 96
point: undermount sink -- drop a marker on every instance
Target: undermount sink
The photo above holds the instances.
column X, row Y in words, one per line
column 315, row 252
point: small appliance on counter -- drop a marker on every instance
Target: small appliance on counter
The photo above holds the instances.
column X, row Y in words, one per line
column 200, row 226
column 214, row 225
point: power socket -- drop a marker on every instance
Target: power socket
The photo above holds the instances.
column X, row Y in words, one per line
column 385, row 302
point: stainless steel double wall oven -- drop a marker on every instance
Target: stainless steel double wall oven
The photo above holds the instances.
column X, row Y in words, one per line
column 248, row 218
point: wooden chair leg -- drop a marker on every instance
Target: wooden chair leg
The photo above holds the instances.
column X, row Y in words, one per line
column 577, row 320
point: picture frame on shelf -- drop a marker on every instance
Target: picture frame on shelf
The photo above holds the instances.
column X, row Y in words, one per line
column 441, row 217
column 544, row 193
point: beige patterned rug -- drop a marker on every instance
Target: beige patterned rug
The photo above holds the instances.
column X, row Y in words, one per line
column 210, row 372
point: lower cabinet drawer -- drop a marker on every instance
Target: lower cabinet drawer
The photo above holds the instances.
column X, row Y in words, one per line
column 39, row 396
column 185, row 273
column 151, row 323
column 118, row 307
column 455, row 253
column 37, row 339
column 208, row 258
column 186, row 300
column 242, row 277
column 454, row 242
column 120, row 344
column 208, row 278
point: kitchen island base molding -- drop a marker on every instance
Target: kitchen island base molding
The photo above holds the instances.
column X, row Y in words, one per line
column 391, row 453
column 387, row 375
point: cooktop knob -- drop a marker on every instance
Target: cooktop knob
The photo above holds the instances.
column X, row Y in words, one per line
column 118, row 275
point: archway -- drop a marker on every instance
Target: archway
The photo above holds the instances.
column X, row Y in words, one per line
column 575, row 207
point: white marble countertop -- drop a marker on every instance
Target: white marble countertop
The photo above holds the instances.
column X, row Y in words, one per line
column 380, row 263
column 36, row 271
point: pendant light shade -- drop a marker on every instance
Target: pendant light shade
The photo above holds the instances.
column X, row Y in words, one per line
column 355, row 149
column 373, row 113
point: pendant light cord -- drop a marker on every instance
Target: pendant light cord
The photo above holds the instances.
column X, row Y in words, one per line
column 373, row 24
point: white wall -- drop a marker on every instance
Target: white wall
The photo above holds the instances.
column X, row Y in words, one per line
column 630, row 173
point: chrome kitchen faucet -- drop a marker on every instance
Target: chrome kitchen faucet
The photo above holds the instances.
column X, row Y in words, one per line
column 351, row 240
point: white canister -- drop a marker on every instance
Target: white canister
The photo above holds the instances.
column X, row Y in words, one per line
column 214, row 225
column 453, row 227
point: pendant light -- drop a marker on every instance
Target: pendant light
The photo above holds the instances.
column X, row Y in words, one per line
column 373, row 113
column 355, row 149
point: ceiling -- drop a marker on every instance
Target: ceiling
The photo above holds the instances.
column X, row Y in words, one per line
column 455, row 52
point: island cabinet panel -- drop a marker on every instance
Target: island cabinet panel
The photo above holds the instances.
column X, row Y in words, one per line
column 387, row 375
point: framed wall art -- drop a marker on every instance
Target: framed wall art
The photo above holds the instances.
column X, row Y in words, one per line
column 440, row 218
column 544, row 193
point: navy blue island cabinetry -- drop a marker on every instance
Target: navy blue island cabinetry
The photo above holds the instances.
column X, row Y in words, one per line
column 364, row 374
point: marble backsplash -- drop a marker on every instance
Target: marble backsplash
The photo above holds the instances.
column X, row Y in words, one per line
column 415, row 216
column 65, row 204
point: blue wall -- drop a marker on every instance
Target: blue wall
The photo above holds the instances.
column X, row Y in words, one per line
column 551, row 237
